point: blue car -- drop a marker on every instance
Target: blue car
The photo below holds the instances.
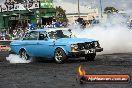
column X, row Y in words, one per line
column 55, row 43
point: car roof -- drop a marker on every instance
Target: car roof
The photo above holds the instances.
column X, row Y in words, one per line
column 49, row 29
column 42, row 29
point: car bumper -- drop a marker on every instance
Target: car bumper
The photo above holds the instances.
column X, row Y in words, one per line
column 85, row 51
column 99, row 49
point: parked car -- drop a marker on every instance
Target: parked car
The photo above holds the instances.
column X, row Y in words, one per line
column 55, row 43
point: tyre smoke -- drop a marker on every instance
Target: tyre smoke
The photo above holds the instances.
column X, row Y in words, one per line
column 16, row 59
column 113, row 34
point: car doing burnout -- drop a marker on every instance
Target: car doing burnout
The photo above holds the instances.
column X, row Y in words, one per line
column 55, row 43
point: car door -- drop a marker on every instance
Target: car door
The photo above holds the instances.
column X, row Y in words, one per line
column 30, row 43
column 45, row 46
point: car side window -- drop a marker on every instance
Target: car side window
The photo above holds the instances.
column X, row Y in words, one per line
column 43, row 36
column 31, row 36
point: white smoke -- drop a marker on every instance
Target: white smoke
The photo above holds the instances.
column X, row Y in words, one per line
column 114, row 35
column 16, row 59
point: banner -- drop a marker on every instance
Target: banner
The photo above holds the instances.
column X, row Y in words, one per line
column 46, row 3
column 4, row 8
column 10, row 7
column 33, row 5
column 19, row 7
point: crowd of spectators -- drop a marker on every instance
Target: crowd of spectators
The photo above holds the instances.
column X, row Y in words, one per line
column 4, row 35
column 17, row 33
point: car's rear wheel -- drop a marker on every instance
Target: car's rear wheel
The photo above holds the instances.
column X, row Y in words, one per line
column 23, row 54
column 90, row 57
column 60, row 55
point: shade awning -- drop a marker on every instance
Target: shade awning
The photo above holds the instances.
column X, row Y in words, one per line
column 14, row 14
column 5, row 15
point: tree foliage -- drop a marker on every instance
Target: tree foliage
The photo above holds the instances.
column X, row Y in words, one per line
column 110, row 10
column 60, row 15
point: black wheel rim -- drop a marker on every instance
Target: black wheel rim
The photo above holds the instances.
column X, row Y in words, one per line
column 24, row 55
column 58, row 56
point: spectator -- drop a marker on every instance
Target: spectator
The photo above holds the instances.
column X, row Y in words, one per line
column 57, row 24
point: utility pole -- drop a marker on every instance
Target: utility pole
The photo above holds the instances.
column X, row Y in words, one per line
column 78, row 9
column 101, row 8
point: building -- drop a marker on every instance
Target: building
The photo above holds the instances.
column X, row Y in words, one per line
column 89, row 15
column 14, row 14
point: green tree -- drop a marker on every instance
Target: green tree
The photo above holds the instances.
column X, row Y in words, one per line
column 60, row 14
column 110, row 10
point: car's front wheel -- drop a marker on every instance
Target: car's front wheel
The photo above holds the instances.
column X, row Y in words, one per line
column 90, row 57
column 60, row 55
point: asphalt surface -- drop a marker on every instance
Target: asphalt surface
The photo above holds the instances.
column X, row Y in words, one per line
column 48, row 74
